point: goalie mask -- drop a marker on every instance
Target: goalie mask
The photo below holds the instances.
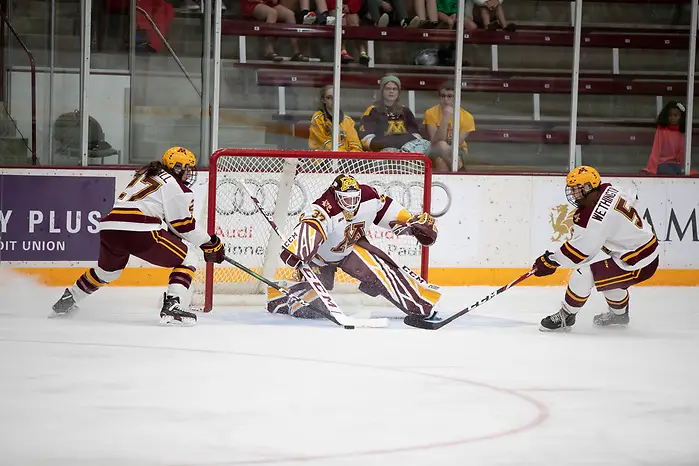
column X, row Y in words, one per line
column 347, row 193
column 580, row 182
column 182, row 163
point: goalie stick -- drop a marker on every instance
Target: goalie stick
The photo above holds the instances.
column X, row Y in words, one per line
column 333, row 309
column 419, row 322
column 284, row 290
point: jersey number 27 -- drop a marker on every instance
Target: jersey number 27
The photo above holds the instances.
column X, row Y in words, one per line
column 152, row 185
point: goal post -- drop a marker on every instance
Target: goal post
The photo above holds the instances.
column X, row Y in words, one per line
column 285, row 183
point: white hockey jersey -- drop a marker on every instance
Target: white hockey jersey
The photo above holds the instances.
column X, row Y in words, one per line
column 153, row 202
column 614, row 226
column 339, row 233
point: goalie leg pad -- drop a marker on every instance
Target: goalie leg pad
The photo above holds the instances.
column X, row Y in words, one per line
column 277, row 302
column 280, row 303
column 380, row 275
column 325, row 273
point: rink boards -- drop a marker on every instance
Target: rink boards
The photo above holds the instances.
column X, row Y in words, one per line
column 491, row 227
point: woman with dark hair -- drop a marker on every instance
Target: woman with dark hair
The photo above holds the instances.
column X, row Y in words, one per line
column 667, row 155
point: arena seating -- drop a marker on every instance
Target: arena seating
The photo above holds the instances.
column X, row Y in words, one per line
column 615, row 85
column 517, row 85
column 562, row 37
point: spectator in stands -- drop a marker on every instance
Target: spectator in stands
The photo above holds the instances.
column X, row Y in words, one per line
column 490, row 15
column 160, row 11
column 350, row 17
column 439, row 124
column 321, row 132
column 388, row 125
column 271, row 12
column 304, row 13
column 447, row 10
column 382, row 12
column 428, row 19
column 377, row 12
column 667, row 155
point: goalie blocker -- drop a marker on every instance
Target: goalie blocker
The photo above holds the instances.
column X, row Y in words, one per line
column 331, row 234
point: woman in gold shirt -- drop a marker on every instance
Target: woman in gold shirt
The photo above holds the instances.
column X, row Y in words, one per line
column 321, row 132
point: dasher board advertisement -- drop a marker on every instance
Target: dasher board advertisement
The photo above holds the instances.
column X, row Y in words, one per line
column 52, row 218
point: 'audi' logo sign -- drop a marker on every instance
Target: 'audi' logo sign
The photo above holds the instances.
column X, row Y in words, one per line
column 231, row 197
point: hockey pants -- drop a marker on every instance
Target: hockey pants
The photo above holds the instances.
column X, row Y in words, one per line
column 609, row 279
column 161, row 248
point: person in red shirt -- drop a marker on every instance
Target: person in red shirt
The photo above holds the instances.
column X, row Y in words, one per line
column 667, row 155
column 160, row 11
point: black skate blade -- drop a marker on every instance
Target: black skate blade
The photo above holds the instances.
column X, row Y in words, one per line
column 63, row 315
column 421, row 322
column 615, row 325
column 555, row 330
column 171, row 321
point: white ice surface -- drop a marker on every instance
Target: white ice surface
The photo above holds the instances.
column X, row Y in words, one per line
column 111, row 387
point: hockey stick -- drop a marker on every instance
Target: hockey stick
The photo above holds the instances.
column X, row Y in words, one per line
column 282, row 289
column 332, row 307
column 419, row 322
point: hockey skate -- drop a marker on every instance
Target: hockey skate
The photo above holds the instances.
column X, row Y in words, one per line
column 609, row 318
column 432, row 317
column 560, row 321
column 173, row 314
column 64, row 306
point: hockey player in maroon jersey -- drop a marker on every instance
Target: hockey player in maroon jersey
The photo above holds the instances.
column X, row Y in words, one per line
column 606, row 220
column 331, row 234
column 149, row 220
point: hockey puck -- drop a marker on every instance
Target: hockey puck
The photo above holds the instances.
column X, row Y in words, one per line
column 349, row 327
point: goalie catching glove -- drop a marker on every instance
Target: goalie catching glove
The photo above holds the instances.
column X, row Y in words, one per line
column 421, row 226
column 213, row 250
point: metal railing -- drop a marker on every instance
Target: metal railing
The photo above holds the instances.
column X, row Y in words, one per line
column 32, row 67
column 172, row 52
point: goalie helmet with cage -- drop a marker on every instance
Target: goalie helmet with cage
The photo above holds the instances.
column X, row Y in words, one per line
column 580, row 182
column 347, row 193
column 182, row 163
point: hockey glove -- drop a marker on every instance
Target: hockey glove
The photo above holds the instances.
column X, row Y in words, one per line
column 544, row 265
column 421, row 226
column 289, row 258
column 213, row 250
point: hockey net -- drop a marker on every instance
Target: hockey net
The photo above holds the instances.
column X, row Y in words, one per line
column 285, row 183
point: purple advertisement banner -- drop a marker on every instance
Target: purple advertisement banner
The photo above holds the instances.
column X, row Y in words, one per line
column 52, row 218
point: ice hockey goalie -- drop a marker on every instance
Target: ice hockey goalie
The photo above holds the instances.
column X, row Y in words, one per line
column 331, row 234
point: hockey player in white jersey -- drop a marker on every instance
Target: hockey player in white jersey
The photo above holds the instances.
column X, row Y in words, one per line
column 606, row 220
column 331, row 234
column 149, row 220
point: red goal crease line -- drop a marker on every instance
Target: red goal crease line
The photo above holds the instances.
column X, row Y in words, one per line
column 477, row 276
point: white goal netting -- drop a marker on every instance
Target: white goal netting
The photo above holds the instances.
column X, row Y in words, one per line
column 285, row 183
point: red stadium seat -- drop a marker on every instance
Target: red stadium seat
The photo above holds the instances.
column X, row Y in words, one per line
column 561, row 38
column 612, row 85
